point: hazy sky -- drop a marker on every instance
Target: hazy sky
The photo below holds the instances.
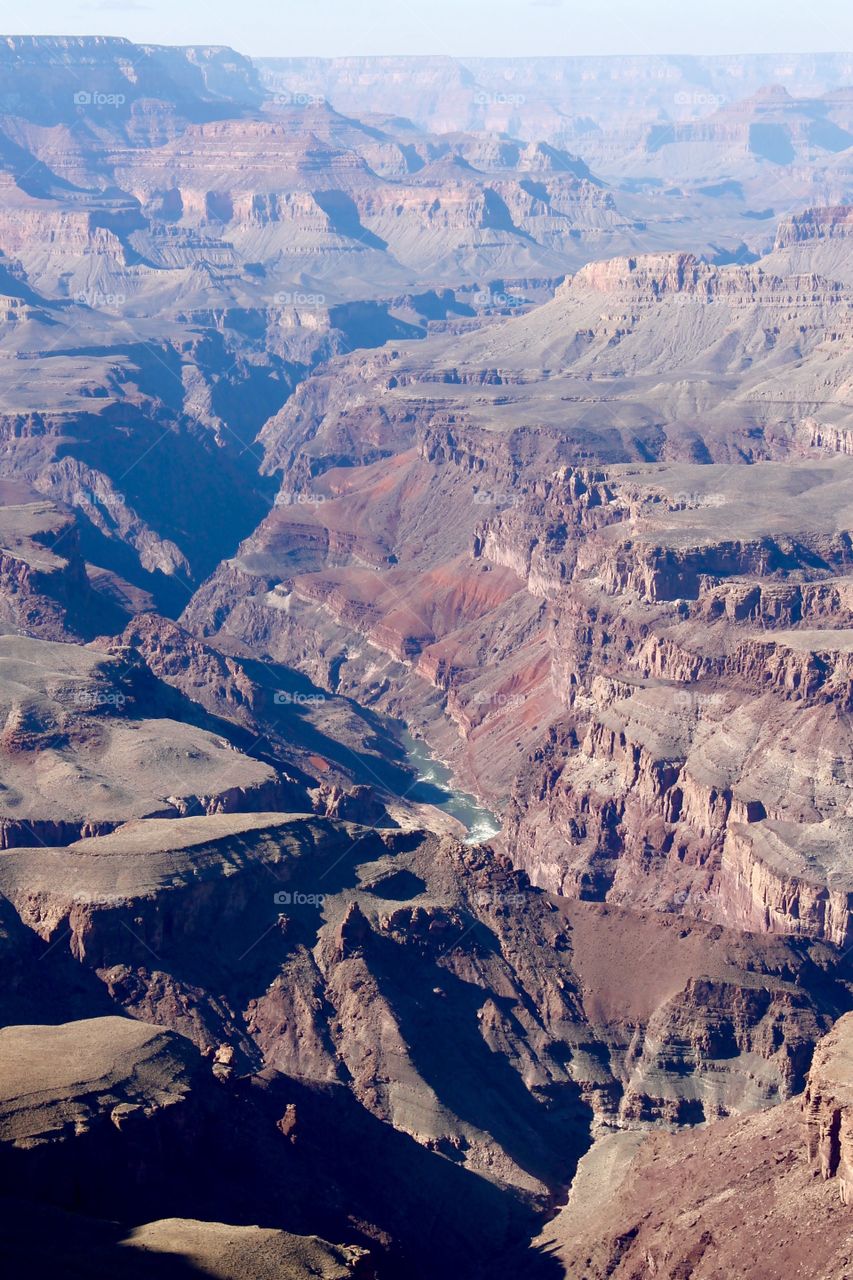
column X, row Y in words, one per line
column 497, row 27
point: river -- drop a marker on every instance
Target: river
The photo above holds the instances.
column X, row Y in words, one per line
column 435, row 786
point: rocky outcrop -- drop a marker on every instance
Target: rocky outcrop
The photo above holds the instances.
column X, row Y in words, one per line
column 826, row 437
column 45, row 589
column 85, row 746
column 123, row 1071
column 828, row 1109
column 790, row 878
column 227, row 1252
column 835, row 222
column 77, row 1099
column 677, row 1206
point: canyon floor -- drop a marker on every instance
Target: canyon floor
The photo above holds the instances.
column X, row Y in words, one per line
column 426, row 666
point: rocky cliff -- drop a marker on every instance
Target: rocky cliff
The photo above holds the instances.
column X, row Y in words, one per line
column 626, row 658
column 679, row 1202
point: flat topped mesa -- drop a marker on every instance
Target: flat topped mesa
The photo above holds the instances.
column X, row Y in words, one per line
column 58, row 1081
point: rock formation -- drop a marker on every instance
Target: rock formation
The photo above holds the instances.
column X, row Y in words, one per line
column 667, row 1210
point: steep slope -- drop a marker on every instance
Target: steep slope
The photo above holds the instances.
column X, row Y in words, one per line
column 414, row 996
column 620, row 655
column 677, row 1208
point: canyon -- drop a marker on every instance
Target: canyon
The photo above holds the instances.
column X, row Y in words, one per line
column 426, row 665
